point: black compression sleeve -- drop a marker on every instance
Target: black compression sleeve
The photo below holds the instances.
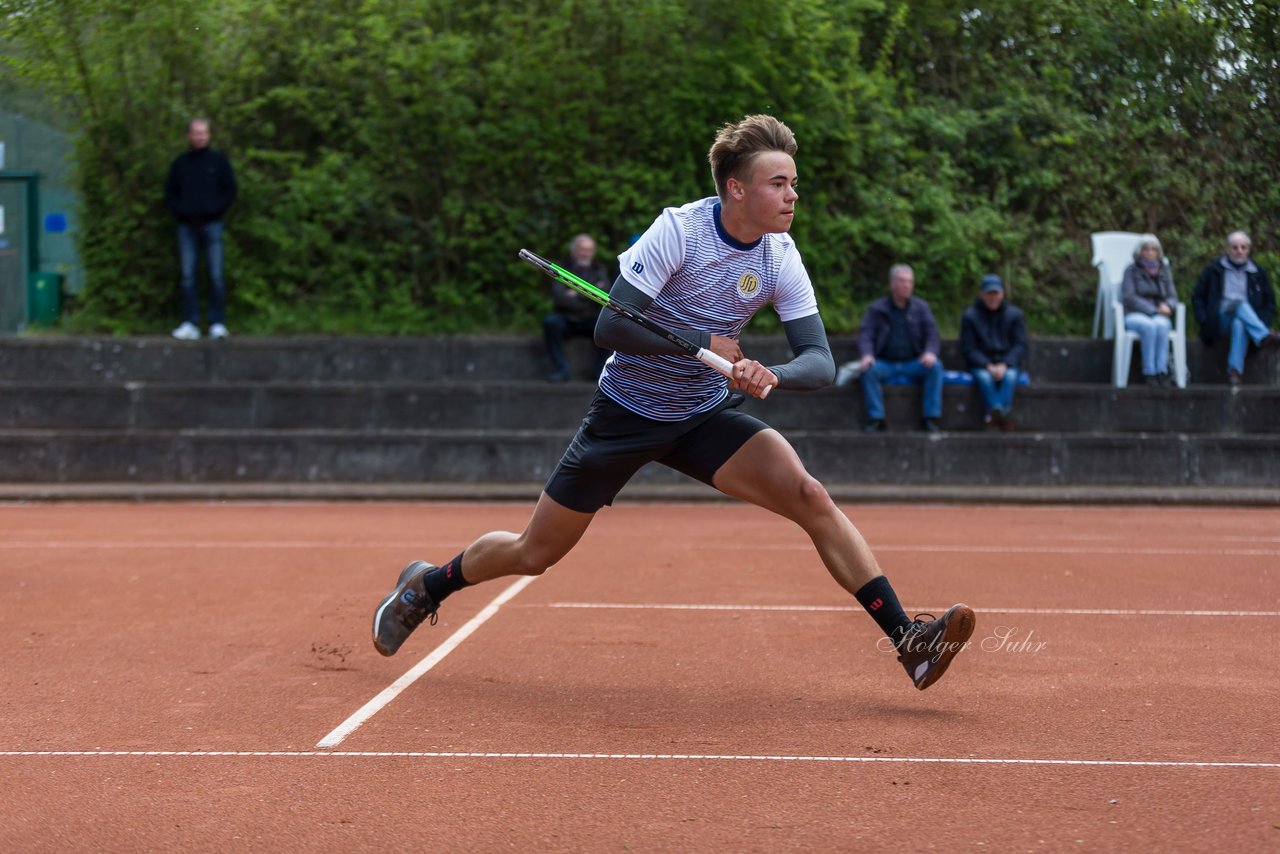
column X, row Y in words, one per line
column 615, row 332
column 813, row 366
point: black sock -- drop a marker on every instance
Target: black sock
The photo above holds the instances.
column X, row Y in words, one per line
column 444, row 580
column 881, row 602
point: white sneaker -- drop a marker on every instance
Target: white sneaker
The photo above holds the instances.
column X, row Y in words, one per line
column 218, row 331
column 187, row 332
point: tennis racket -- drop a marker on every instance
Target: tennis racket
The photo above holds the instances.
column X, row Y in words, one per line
column 596, row 295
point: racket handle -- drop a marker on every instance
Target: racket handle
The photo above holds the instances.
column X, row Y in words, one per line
column 724, row 366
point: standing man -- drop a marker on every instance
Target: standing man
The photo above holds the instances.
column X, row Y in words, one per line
column 1233, row 296
column 572, row 313
column 199, row 190
column 993, row 339
column 899, row 340
column 702, row 270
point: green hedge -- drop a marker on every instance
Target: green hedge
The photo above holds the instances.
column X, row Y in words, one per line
column 393, row 157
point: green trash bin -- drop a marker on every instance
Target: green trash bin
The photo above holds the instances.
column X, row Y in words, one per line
column 44, row 298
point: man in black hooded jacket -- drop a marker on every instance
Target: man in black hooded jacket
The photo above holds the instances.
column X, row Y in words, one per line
column 199, row 189
column 993, row 339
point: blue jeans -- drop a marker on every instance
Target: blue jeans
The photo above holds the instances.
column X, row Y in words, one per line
column 1245, row 325
column 556, row 328
column 881, row 372
column 1153, row 331
column 996, row 395
column 191, row 239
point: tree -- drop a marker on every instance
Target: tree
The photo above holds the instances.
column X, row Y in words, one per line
column 394, row 157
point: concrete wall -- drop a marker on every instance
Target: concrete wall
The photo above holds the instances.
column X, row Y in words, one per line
column 478, row 411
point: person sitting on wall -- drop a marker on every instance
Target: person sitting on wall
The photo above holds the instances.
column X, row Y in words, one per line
column 993, row 340
column 573, row 314
column 899, row 339
column 1233, row 297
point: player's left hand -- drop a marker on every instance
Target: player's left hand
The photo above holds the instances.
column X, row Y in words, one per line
column 752, row 377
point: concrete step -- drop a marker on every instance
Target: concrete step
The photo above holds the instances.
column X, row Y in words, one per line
column 989, row 496
column 496, row 405
column 483, row 357
column 438, row 413
column 523, row 456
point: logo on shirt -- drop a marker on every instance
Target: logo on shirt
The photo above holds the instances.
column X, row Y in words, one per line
column 637, row 266
column 748, row 285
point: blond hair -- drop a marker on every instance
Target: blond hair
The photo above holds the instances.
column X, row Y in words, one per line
column 737, row 145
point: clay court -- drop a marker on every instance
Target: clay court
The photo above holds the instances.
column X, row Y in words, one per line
column 200, row 677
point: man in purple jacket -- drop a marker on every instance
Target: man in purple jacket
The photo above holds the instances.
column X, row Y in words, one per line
column 899, row 340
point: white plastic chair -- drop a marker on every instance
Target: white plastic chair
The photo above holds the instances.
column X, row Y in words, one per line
column 1126, row 341
column 1112, row 253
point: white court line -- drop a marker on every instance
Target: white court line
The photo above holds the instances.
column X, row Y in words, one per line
column 972, row 549
column 1084, row 612
column 656, row 757
column 437, row 655
column 957, row 548
column 215, row 544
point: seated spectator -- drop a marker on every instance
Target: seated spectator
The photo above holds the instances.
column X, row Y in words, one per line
column 899, row 340
column 573, row 314
column 1149, row 300
column 1233, row 297
column 993, row 340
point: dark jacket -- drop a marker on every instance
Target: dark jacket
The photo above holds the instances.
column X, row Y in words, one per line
column 570, row 303
column 921, row 327
column 201, row 186
column 987, row 336
column 1142, row 294
column 1208, row 296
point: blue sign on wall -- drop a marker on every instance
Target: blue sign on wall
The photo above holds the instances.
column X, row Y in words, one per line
column 55, row 223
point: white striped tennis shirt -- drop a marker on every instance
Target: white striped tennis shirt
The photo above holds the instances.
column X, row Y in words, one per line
column 700, row 278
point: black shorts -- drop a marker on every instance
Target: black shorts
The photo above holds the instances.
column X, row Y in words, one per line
column 614, row 442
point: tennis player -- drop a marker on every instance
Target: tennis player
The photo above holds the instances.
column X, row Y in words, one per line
column 702, row 270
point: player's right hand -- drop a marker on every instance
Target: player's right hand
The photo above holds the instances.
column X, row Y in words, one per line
column 753, row 378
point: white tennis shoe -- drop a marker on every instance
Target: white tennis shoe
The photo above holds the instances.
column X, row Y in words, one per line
column 187, row 332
